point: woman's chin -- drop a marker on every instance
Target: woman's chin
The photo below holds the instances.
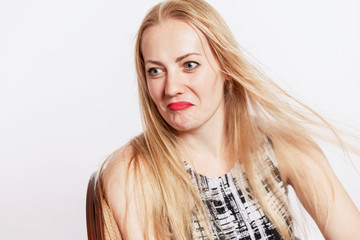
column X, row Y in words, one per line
column 183, row 122
column 183, row 126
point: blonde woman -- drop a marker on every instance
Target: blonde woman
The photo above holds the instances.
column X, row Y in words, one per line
column 221, row 143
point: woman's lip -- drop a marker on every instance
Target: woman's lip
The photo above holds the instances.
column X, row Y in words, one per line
column 175, row 106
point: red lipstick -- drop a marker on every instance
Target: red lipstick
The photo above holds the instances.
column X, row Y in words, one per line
column 175, row 106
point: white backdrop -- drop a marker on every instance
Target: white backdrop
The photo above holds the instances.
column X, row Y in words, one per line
column 68, row 94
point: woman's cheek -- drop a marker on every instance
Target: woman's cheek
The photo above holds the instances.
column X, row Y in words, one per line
column 152, row 90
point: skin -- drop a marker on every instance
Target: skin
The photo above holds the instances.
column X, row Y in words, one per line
column 180, row 66
column 178, row 69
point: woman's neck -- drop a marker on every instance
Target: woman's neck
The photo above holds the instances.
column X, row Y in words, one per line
column 207, row 148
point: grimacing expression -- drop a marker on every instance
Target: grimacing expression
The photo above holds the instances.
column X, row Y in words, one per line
column 183, row 76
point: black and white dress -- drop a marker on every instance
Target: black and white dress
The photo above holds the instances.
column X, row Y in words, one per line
column 231, row 208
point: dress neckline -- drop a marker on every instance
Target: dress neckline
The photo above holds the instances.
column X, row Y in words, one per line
column 227, row 174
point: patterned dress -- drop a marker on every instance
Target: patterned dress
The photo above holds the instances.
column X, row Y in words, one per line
column 233, row 213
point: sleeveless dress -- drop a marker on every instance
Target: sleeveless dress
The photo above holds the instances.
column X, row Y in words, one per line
column 233, row 213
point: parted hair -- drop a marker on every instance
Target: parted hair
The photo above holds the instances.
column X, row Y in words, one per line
column 255, row 108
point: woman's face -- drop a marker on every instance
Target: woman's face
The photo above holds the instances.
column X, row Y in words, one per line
column 183, row 76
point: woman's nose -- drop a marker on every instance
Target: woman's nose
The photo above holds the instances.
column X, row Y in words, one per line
column 174, row 84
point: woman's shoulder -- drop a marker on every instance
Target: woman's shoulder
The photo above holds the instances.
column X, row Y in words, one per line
column 119, row 168
column 116, row 164
column 118, row 177
column 120, row 164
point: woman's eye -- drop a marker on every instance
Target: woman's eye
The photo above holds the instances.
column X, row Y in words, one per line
column 154, row 71
column 190, row 65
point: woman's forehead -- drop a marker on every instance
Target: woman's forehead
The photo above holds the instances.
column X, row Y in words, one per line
column 172, row 37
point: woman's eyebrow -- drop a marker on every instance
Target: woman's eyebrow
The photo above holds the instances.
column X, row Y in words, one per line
column 177, row 59
column 154, row 62
column 185, row 56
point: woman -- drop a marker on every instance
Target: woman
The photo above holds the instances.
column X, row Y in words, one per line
column 221, row 142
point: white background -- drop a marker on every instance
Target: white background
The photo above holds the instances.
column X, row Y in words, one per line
column 68, row 95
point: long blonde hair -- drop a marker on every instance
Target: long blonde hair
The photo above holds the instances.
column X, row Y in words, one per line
column 255, row 108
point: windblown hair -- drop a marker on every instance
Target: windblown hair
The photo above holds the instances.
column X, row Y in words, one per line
column 255, row 107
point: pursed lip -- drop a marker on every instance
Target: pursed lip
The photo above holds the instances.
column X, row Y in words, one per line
column 175, row 106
